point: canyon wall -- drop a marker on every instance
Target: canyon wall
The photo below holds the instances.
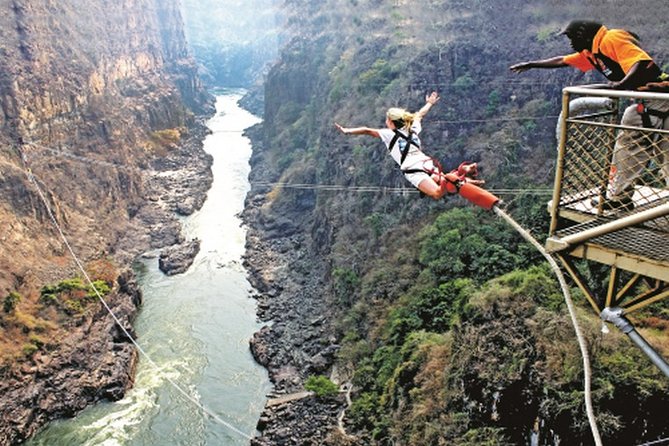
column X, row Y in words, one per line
column 443, row 324
column 101, row 118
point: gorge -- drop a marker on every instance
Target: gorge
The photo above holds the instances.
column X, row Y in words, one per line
column 446, row 325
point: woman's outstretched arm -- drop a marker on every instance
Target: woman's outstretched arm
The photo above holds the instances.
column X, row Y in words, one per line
column 358, row 131
column 430, row 100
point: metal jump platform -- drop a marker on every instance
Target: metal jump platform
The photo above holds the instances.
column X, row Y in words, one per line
column 634, row 239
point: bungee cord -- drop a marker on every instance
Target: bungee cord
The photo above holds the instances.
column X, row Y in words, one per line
column 32, row 179
column 587, row 373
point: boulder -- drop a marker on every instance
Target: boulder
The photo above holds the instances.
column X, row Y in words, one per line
column 177, row 259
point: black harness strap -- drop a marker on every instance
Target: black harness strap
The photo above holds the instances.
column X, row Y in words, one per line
column 404, row 151
column 646, row 113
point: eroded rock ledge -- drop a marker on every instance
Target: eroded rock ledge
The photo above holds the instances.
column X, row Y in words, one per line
column 95, row 361
column 177, row 259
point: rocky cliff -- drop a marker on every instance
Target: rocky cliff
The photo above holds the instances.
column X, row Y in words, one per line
column 102, row 104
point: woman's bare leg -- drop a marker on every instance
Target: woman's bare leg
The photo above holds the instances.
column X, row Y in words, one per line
column 433, row 190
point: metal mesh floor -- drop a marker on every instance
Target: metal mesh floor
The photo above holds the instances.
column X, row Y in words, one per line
column 639, row 241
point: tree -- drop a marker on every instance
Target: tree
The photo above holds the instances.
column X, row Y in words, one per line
column 321, row 386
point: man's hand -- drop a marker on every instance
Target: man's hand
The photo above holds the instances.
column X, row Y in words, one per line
column 520, row 67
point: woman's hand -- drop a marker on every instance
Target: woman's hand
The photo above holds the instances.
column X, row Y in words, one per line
column 358, row 131
column 341, row 129
column 432, row 98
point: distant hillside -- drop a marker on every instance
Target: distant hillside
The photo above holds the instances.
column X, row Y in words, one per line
column 234, row 41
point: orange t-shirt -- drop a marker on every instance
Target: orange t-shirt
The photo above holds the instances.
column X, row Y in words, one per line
column 613, row 51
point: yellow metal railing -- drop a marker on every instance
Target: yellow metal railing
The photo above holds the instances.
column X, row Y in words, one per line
column 631, row 236
column 586, row 149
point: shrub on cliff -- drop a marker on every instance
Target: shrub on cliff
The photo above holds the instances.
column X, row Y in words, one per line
column 321, row 386
column 11, row 301
column 461, row 244
column 72, row 295
column 346, row 281
column 162, row 139
column 29, row 349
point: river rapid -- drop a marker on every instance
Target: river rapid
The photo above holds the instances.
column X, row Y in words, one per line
column 194, row 326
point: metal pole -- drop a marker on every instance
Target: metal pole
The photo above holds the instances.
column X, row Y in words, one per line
column 640, row 217
column 559, row 168
column 585, row 91
column 616, row 317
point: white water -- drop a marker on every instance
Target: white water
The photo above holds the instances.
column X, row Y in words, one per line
column 194, row 326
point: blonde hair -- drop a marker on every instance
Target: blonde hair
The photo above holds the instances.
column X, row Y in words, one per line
column 400, row 117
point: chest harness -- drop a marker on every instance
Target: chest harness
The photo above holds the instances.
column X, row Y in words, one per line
column 456, row 180
column 404, row 151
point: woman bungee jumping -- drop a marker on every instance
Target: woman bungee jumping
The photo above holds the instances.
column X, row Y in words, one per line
column 401, row 139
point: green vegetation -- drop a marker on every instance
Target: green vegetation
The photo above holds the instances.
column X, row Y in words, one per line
column 346, row 282
column 465, row 243
column 465, row 82
column 72, row 295
column 545, row 34
column 11, row 301
column 378, row 76
column 452, row 329
column 493, row 103
column 321, row 386
column 35, row 344
column 34, row 322
column 29, row 349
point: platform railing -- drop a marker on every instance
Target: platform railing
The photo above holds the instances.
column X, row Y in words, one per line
column 632, row 238
column 585, row 153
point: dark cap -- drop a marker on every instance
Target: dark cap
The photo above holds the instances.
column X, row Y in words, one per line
column 581, row 29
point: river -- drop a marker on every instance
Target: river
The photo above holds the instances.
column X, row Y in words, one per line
column 194, row 326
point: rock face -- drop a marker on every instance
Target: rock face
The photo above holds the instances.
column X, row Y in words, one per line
column 102, row 104
column 310, row 418
column 291, row 293
column 99, row 101
column 177, row 259
column 95, row 361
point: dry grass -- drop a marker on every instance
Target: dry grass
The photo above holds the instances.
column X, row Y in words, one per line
column 21, row 329
column 161, row 141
